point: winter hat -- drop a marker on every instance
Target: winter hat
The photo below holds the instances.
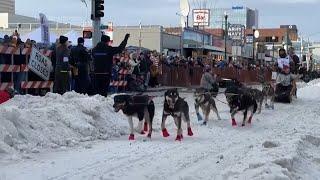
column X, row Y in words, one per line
column 63, row 39
column 80, row 40
column 105, row 38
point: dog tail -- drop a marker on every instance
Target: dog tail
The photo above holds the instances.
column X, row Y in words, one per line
column 151, row 109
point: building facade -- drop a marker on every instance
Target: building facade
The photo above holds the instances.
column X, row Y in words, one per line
column 236, row 15
column 7, row 6
column 150, row 37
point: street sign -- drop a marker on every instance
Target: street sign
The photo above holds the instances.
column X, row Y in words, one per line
column 40, row 64
column 103, row 27
column 249, row 39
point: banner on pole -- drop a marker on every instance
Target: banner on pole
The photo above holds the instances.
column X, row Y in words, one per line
column 40, row 64
column 45, row 34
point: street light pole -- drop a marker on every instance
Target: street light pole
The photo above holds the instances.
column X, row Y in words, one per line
column 301, row 48
column 253, row 45
column 255, row 36
column 96, row 22
column 273, row 39
column 225, row 35
column 140, row 36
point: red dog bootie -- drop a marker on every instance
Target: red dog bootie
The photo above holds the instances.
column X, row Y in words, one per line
column 165, row 133
column 179, row 138
column 131, row 137
column 234, row 123
column 142, row 132
column 250, row 118
column 145, row 126
column 190, row 133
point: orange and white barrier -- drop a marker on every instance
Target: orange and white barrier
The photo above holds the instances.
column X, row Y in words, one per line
column 9, row 68
column 37, row 85
column 126, row 60
column 124, row 71
column 24, row 68
column 118, row 83
column 4, row 86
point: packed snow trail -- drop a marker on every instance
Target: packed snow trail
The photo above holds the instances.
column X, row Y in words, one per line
column 280, row 144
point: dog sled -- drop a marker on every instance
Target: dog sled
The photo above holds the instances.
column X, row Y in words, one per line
column 283, row 93
column 286, row 88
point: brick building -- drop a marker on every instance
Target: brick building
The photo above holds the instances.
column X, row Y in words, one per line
column 280, row 34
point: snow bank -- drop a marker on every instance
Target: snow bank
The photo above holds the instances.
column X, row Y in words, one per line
column 29, row 123
column 314, row 82
column 311, row 91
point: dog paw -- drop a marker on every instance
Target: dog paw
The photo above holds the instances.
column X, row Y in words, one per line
column 190, row 133
column 131, row 137
column 165, row 133
column 243, row 125
column 142, row 132
column 145, row 126
column 234, row 123
column 179, row 137
column 149, row 135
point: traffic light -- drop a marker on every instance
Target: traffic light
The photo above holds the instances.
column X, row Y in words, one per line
column 98, row 9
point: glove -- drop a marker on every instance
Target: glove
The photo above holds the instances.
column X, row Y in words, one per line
column 127, row 36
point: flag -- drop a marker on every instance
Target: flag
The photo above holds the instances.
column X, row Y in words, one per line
column 45, row 35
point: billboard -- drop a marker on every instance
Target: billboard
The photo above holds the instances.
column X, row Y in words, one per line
column 4, row 20
column 201, row 17
column 236, row 32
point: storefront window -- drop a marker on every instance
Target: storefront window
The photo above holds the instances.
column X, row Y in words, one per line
column 195, row 38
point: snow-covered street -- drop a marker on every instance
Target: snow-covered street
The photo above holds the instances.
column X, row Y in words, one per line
column 280, row 144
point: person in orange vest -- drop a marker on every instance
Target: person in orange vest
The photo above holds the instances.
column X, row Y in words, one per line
column 6, row 95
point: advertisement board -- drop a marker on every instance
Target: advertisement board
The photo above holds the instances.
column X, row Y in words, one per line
column 236, row 32
column 201, row 17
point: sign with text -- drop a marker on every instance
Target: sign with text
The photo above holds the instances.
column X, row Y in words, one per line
column 201, row 17
column 236, row 32
column 237, row 7
column 40, row 64
column 249, row 39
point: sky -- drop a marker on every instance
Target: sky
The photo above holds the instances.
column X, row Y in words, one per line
column 272, row 13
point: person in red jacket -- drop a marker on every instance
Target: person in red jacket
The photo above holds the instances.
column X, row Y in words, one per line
column 6, row 95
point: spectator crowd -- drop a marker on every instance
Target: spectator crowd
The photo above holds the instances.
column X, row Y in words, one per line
column 94, row 71
column 87, row 71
